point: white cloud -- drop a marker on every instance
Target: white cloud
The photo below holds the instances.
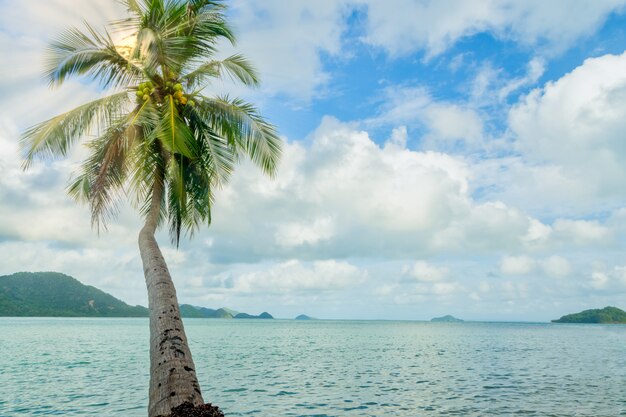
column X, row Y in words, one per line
column 573, row 129
column 285, row 41
column 512, row 291
column 491, row 86
column 445, row 122
column 296, row 234
column 293, row 276
column 517, row 265
column 52, row 16
column 608, row 279
column 411, row 25
column 620, row 273
column 553, row 266
column 445, row 288
column 599, row 280
column 363, row 199
column 556, row 266
column 424, row 272
column 536, row 68
column 581, row 232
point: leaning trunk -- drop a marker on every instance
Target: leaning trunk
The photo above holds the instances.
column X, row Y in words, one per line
column 173, row 378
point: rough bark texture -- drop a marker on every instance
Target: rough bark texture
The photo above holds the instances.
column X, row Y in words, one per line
column 173, row 378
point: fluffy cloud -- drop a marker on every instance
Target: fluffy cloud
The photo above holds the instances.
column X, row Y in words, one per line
column 293, row 276
column 423, row 271
column 285, row 40
column 599, row 280
column 556, row 266
column 445, row 123
column 608, row 279
column 297, row 234
column 411, row 25
column 553, row 266
column 517, row 265
column 346, row 196
column 573, row 129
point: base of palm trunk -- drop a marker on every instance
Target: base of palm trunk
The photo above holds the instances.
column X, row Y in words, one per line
column 189, row 410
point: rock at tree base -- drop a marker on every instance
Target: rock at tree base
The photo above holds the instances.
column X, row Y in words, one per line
column 187, row 409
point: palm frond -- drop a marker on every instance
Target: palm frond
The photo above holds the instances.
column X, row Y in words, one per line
column 174, row 133
column 103, row 175
column 137, row 8
column 104, row 172
column 92, row 54
column 173, row 33
column 243, row 127
column 217, row 156
column 236, row 67
column 55, row 136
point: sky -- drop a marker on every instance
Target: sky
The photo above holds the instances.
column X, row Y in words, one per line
column 440, row 157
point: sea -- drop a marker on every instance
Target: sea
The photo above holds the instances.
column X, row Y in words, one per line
column 99, row 367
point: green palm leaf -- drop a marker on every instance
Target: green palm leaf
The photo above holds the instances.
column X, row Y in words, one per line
column 92, row 54
column 236, row 67
column 243, row 127
column 55, row 136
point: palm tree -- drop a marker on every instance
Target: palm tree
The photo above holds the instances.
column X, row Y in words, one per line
column 157, row 139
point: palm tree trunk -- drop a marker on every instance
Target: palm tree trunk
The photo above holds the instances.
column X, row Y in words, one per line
column 173, row 378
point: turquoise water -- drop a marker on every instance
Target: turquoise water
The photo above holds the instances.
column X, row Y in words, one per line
column 321, row 368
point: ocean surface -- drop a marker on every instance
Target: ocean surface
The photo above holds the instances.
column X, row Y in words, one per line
column 99, row 367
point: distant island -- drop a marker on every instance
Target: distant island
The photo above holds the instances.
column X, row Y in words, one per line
column 446, row 319
column 304, row 317
column 607, row 315
column 52, row 294
column 187, row 310
column 264, row 315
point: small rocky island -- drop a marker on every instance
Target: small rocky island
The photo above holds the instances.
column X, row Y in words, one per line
column 446, row 319
column 304, row 317
column 263, row 315
column 607, row 315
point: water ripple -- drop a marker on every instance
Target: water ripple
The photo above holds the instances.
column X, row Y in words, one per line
column 75, row 367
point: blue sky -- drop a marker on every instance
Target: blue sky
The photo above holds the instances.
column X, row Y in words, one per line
column 441, row 157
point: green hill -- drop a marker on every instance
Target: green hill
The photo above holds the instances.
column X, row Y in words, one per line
column 606, row 315
column 187, row 310
column 51, row 294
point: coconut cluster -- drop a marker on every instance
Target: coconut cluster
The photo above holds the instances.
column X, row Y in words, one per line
column 175, row 89
column 144, row 91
